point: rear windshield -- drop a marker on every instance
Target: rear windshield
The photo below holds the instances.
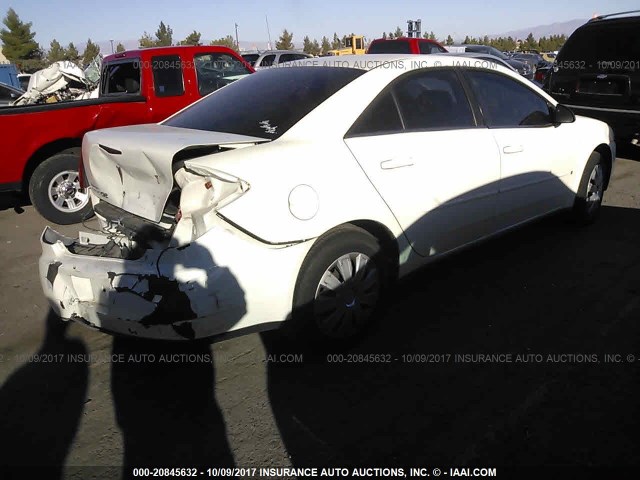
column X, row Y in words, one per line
column 265, row 104
column 390, row 46
column 596, row 45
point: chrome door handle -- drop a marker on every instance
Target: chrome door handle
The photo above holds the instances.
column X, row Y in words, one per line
column 513, row 149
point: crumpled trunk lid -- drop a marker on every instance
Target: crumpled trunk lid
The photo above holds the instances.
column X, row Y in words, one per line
column 131, row 167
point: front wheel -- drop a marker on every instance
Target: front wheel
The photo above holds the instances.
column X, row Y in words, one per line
column 55, row 190
column 591, row 190
column 339, row 288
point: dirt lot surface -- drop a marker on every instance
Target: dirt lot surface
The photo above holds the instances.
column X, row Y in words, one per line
column 549, row 302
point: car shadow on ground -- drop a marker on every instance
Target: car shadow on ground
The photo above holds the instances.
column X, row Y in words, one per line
column 408, row 396
column 13, row 201
column 42, row 404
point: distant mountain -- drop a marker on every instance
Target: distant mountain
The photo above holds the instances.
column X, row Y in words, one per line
column 558, row 28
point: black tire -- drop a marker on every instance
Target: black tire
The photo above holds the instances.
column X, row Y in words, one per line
column 73, row 210
column 356, row 304
column 586, row 206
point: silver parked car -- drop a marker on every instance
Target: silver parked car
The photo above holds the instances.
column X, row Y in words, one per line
column 269, row 58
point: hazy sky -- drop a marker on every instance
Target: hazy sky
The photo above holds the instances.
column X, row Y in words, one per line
column 75, row 20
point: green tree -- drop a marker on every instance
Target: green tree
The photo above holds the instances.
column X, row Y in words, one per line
column 285, row 42
column 56, row 52
column 164, row 35
column 18, row 43
column 192, row 39
column 449, row 40
column 307, row 45
column 227, row 41
column 325, row 46
column 530, row 43
column 398, row 33
column 146, row 41
column 120, row 48
column 384, row 35
column 430, row 35
column 335, row 44
column 71, row 53
column 91, row 51
column 315, row 48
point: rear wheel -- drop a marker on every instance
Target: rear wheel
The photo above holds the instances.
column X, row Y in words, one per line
column 591, row 190
column 339, row 288
column 55, row 190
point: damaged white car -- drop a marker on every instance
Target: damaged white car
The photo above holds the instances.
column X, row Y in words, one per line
column 62, row 81
column 300, row 193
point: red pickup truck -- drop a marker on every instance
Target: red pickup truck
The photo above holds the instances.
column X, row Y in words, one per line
column 41, row 143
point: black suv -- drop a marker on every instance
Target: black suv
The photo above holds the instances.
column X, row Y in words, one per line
column 597, row 73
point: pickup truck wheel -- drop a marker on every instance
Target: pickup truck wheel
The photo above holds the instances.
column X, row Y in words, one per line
column 55, row 190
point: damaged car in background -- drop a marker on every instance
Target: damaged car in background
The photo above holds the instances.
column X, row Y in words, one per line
column 62, row 81
column 299, row 195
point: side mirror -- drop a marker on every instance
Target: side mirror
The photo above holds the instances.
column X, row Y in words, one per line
column 563, row 114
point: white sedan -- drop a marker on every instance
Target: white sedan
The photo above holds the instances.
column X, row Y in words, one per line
column 298, row 194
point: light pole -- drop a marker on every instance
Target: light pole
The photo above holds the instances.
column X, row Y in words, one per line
column 268, row 32
column 237, row 43
column 111, row 45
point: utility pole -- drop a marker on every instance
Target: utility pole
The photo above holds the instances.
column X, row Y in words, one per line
column 268, row 32
column 111, row 45
column 237, row 43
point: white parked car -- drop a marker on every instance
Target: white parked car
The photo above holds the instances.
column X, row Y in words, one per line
column 300, row 195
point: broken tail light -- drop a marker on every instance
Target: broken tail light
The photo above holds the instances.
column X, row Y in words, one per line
column 204, row 190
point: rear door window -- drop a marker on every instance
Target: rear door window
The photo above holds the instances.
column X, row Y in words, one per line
column 167, row 75
column 380, row 117
column 433, row 99
column 267, row 61
column 288, row 57
column 121, row 77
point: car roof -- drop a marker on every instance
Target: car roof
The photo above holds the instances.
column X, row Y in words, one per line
column 170, row 50
column 417, row 39
column 282, row 51
column 375, row 60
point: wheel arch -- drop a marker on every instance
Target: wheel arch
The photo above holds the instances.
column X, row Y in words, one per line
column 382, row 234
column 46, row 151
column 604, row 150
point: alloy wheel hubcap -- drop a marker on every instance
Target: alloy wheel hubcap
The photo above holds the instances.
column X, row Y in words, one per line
column 346, row 295
column 65, row 193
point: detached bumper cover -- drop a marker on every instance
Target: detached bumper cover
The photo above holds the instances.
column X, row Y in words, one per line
column 173, row 293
